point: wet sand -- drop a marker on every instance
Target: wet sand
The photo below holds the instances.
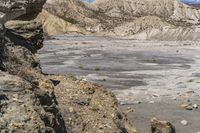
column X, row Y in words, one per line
column 158, row 75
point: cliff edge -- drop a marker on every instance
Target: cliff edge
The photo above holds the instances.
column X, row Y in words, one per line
column 31, row 101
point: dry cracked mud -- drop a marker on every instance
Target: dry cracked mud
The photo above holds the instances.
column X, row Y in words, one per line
column 152, row 78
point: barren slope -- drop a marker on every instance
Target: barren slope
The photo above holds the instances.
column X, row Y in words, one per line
column 138, row 19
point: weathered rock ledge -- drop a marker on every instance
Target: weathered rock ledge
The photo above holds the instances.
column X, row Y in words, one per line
column 31, row 101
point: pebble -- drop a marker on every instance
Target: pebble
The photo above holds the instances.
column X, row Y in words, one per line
column 174, row 98
column 84, row 79
column 189, row 108
column 190, row 92
column 155, row 95
column 184, row 105
column 122, row 103
column 184, row 122
column 195, row 106
column 182, row 86
column 17, row 100
column 152, row 102
column 138, row 102
column 129, row 111
column 71, row 110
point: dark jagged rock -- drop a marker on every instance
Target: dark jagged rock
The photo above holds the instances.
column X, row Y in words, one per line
column 25, row 105
column 33, row 95
column 19, row 9
column 56, row 103
column 31, row 101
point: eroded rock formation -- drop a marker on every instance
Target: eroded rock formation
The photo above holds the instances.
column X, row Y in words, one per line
column 25, row 106
column 19, row 9
column 31, row 101
column 138, row 19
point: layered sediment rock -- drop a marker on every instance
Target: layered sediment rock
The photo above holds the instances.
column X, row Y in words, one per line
column 25, row 106
column 138, row 19
column 31, row 101
column 54, row 25
column 49, row 103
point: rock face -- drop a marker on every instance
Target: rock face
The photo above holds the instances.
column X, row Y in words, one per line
column 89, row 108
column 54, row 25
column 31, row 101
column 138, row 19
column 24, row 110
column 67, row 18
column 23, row 9
column 24, row 105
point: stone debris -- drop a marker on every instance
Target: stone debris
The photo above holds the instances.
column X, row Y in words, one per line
column 174, row 98
column 31, row 101
column 137, row 102
column 129, row 110
column 152, row 102
column 158, row 126
column 184, row 122
column 189, row 106
column 17, row 100
column 195, row 106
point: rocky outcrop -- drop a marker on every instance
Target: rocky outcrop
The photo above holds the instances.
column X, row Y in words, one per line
column 26, row 108
column 26, row 105
column 54, row 25
column 23, row 9
column 34, row 102
column 89, row 108
column 161, row 126
column 49, row 103
column 31, row 101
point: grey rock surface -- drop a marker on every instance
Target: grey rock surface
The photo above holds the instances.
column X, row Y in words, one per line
column 25, row 105
column 19, row 9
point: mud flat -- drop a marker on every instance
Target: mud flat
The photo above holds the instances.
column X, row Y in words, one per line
column 151, row 77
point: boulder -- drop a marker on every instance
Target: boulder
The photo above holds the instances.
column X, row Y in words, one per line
column 158, row 126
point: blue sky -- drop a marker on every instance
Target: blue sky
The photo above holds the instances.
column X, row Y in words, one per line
column 88, row 1
column 191, row 1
